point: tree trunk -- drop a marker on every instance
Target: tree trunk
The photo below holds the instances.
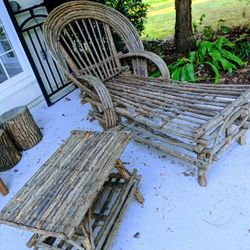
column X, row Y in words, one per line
column 9, row 155
column 183, row 26
column 21, row 127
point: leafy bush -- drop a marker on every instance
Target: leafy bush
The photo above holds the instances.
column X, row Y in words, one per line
column 215, row 54
column 134, row 10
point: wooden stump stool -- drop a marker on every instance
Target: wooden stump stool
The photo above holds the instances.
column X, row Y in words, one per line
column 3, row 189
column 9, row 154
column 21, row 127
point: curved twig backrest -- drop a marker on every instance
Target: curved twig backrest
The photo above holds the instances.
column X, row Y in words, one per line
column 80, row 32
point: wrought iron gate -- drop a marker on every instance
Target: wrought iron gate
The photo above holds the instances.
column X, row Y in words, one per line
column 28, row 24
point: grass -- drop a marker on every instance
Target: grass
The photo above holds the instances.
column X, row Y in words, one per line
column 161, row 16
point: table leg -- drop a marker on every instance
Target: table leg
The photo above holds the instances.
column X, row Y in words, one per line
column 126, row 175
column 32, row 241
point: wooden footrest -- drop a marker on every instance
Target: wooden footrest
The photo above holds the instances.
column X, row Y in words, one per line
column 99, row 225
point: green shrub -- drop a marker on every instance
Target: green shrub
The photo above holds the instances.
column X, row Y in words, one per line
column 134, row 10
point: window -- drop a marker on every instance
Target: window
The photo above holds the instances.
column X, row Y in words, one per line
column 9, row 63
column 14, row 65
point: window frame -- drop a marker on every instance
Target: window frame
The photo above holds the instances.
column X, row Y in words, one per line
column 17, row 46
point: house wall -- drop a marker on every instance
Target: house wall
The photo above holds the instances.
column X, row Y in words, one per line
column 24, row 89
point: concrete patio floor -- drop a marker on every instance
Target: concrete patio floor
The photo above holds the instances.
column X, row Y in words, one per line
column 177, row 215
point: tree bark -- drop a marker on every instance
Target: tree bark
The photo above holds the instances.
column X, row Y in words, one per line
column 21, row 127
column 183, row 26
column 9, row 155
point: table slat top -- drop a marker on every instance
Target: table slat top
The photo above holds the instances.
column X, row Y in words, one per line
column 58, row 196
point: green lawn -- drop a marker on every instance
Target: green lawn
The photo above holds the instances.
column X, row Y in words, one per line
column 161, row 15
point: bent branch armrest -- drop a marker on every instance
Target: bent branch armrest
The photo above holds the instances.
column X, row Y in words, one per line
column 242, row 113
column 243, row 99
column 157, row 60
column 105, row 98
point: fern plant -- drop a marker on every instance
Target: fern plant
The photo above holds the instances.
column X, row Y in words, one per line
column 215, row 54
column 183, row 69
column 242, row 48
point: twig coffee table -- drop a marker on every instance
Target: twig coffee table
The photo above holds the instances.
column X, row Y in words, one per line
column 76, row 200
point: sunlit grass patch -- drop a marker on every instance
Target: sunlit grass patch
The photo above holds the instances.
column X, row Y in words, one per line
column 161, row 16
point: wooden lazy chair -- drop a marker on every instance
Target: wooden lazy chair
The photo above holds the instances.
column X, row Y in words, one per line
column 193, row 122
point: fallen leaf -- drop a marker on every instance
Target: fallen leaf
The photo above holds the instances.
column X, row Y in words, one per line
column 137, row 235
column 190, row 173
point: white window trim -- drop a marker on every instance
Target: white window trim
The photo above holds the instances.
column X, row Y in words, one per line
column 27, row 71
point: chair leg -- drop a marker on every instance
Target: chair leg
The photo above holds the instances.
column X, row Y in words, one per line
column 32, row 241
column 243, row 139
column 202, row 179
column 126, row 175
column 3, row 189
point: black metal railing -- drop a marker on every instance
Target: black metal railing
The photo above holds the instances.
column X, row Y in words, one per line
column 28, row 24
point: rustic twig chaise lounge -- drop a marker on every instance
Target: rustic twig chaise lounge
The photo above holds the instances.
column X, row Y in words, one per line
column 193, row 122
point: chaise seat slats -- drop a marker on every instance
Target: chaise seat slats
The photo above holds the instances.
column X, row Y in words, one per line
column 219, row 93
column 167, row 105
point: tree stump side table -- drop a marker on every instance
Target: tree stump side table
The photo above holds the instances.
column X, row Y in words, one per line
column 21, row 127
column 9, row 154
column 81, row 194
